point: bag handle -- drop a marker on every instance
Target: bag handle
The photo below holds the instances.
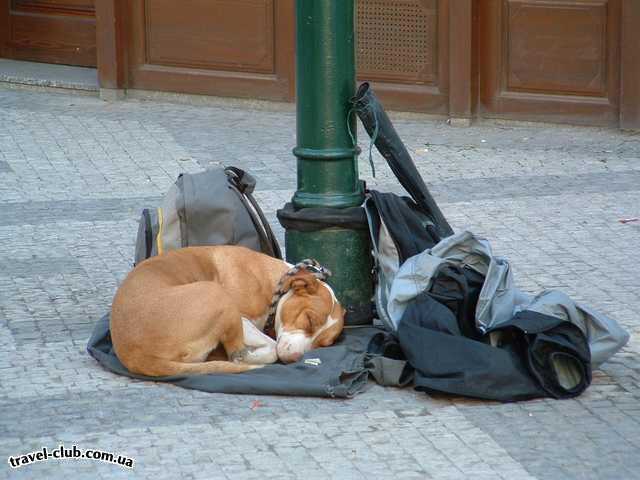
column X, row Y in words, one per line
column 243, row 181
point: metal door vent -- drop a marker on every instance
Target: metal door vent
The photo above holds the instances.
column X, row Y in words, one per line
column 397, row 40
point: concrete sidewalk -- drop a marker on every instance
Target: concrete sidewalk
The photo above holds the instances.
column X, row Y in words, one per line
column 74, row 174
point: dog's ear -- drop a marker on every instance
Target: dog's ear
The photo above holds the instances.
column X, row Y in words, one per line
column 302, row 283
column 330, row 335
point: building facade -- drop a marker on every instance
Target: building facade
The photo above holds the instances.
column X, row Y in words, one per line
column 575, row 61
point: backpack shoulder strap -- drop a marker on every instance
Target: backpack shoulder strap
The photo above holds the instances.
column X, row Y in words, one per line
column 245, row 184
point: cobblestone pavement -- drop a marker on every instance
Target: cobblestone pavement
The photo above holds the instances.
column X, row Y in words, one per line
column 74, row 173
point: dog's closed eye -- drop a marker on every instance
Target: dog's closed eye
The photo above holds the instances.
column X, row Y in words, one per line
column 309, row 322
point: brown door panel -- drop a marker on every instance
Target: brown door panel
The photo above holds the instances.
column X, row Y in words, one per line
column 5, row 29
column 402, row 49
column 238, row 48
column 550, row 60
column 53, row 39
column 235, row 35
column 51, row 31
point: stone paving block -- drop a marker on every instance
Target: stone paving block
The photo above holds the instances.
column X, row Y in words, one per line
column 75, row 176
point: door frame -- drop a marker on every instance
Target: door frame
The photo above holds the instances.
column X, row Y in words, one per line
column 111, row 24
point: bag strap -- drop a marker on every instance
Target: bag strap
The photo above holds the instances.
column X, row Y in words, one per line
column 245, row 183
column 270, row 238
column 148, row 233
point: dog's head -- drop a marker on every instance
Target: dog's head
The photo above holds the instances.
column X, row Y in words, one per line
column 308, row 316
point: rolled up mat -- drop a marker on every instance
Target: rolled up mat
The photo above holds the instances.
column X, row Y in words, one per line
column 386, row 139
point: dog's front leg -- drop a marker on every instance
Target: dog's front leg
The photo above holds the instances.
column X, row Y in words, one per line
column 259, row 348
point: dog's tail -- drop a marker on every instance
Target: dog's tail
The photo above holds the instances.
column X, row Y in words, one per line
column 163, row 367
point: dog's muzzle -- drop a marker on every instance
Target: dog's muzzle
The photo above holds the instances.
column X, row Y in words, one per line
column 292, row 345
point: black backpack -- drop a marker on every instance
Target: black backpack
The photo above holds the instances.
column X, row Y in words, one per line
column 458, row 289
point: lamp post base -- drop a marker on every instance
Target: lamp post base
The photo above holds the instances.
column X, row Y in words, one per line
column 346, row 253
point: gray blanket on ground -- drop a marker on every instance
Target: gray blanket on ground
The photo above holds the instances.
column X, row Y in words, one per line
column 341, row 370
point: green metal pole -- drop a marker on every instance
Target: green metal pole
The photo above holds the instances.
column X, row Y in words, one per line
column 325, row 76
column 326, row 155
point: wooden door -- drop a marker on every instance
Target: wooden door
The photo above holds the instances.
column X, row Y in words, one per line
column 237, row 48
column 246, row 48
column 51, row 31
column 550, row 60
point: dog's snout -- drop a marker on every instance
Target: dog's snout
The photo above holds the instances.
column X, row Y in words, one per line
column 292, row 357
column 287, row 353
column 291, row 348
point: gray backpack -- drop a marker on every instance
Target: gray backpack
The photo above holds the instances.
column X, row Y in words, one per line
column 214, row 207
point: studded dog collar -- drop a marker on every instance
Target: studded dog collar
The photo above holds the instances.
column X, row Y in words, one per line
column 310, row 265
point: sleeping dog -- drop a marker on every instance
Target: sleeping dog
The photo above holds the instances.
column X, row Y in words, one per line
column 204, row 310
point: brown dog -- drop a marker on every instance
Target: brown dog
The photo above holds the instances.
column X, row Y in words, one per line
column 203, row 309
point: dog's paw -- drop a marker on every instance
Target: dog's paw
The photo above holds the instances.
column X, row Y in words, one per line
column 239, row 356
column 255, row 356
column 253, row 337
column 262, row 355
column 259, row 348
